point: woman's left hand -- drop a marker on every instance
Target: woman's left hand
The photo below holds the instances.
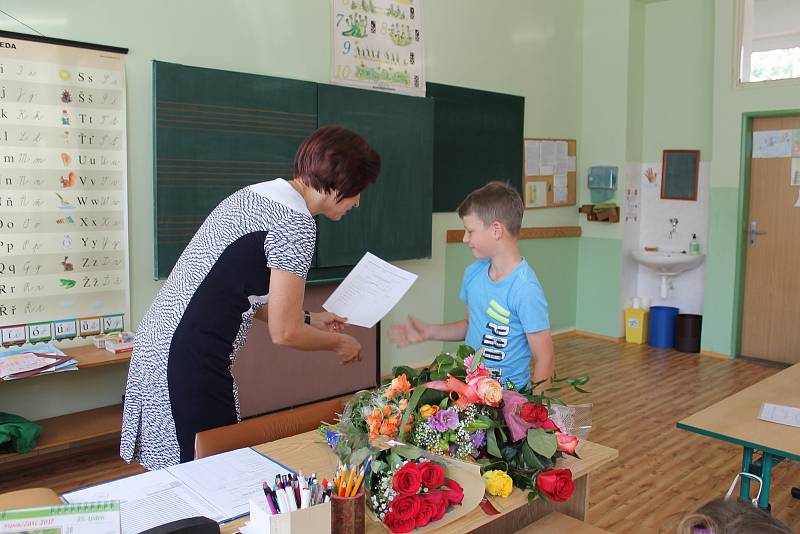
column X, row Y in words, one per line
column 329, row 322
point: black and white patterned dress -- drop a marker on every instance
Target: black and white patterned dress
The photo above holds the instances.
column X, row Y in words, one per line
column 180, row 380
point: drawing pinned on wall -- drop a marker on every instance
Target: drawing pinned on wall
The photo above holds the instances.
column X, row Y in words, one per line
column 772, row 144
column 794, row 177
column 632, row 204
column 536, row 194
column 796, row 144
column 797, row 204
column 651, row 178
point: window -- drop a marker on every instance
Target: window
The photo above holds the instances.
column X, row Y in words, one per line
column 769, row 40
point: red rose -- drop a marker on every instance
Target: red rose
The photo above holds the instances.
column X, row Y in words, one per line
column 427, row 508
column 454, row 492
column 432, row 474
column 395, row 524
column 405, row 506
column 548, row 425
column 556, row 484
column 533, row 413
column 440, row 502
column 566, row 443
column 407, row 480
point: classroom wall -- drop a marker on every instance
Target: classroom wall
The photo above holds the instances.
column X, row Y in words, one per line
column 528, row 48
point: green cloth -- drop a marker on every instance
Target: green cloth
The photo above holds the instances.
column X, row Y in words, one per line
column 17, row 433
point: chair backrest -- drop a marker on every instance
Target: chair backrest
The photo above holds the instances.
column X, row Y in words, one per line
column 29, row 498
column 265, row 428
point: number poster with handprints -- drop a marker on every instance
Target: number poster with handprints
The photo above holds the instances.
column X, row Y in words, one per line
column 63, row 193
column 377, row 44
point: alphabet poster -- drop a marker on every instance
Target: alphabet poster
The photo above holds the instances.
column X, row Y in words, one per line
column 63, row 201
column 378, row 44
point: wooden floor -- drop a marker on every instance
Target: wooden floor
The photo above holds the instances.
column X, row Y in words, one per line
column 638, row 395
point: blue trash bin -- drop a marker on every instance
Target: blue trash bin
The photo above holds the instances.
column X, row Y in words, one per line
column 662, row 327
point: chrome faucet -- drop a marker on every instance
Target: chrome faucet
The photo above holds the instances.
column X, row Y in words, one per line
column 674, row 222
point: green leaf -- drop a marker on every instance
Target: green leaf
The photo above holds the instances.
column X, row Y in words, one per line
column 410, row 373
column 443, row 403
column 491, row 444
column 542, row 442
column 464, row 351
column 580, row 390
column 486, row 420
column 378, row 466
column 530, row 457
column 394, row 459
column 412, row 405
column 359, row 455
column 409, row 453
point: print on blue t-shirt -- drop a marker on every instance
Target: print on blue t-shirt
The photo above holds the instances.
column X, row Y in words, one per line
column 501, row 314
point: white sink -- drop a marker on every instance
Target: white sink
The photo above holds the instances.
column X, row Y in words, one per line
column 668, row 263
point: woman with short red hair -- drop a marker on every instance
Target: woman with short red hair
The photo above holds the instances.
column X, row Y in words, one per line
column 258, row 242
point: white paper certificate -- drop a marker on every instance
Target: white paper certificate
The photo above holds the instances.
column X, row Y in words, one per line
column 371, row 289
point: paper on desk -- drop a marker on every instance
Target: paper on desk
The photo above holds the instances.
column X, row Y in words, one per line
column 371, row 289
column 230, row 479
column 781, row 414
column 218, row 487
column 149, row 500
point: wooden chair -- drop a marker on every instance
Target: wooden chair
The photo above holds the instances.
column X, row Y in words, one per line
column 267, row 428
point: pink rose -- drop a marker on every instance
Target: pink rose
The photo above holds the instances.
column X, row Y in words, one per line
column 489, row 390
column 566, row 443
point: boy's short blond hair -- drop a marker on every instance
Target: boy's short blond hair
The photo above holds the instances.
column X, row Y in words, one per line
column 495, row 201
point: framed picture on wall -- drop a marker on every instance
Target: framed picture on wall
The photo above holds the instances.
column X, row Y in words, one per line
column 679, row 174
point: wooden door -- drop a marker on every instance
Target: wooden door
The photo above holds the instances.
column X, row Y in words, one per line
column 772, row 274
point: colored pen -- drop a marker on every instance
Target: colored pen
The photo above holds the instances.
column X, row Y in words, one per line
column 270, row 504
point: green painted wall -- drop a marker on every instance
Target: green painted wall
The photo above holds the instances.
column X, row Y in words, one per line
column 678, row 77
column 599, row 286
column 530, row 48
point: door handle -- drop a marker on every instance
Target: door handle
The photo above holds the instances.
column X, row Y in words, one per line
column 754, row 232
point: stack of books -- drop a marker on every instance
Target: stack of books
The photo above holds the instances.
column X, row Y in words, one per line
column 119, row 342
column 28, row 362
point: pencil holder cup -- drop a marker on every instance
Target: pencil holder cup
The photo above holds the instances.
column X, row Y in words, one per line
column 347, row 514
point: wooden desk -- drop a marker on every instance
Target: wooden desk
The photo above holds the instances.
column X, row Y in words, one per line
column 735, row 420
column 308, row 452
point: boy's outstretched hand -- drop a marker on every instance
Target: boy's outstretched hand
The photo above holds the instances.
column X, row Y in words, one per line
column 414, row 331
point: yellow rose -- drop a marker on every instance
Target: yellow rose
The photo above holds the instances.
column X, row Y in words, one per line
column 498, row 483
column 426, row 410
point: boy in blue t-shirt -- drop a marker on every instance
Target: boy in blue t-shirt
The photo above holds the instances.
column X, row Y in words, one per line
column 506, row 308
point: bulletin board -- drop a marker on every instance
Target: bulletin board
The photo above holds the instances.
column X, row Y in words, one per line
column 548, row 172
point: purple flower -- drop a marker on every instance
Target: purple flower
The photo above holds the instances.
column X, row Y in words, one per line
column 478, row 439
column 444, row 420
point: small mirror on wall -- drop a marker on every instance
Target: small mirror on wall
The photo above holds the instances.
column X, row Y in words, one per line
column 679, row 174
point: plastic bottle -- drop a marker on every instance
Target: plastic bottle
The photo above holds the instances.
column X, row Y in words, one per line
column 694, row 246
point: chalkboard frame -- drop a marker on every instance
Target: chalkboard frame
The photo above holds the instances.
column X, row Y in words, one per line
column 678, row 165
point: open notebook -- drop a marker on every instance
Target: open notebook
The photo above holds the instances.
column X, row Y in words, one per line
column 218, row 487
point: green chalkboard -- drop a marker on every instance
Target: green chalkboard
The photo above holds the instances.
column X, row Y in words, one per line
column 477, row 138
column 216, row 132
column 394, row 218
column 679, row 174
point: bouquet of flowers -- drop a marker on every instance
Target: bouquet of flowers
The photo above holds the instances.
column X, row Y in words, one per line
column 454, row 409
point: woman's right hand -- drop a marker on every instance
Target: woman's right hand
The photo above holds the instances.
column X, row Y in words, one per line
column 349, row 349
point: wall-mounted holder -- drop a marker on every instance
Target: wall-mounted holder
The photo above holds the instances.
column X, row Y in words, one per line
column 600, row 214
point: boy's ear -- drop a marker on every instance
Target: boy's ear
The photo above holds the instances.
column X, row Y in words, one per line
column 498, row 229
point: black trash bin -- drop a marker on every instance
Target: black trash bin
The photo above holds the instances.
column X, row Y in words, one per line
column 687, row 332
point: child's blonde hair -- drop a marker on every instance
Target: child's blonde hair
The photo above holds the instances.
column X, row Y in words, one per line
column 495, row 201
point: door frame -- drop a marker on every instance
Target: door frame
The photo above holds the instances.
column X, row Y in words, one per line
column 746, row 154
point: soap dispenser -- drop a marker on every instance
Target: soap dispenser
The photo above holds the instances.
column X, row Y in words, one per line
column 694, row 246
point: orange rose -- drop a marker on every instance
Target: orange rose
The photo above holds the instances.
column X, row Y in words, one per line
column 489, row 390
column 427, row 411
